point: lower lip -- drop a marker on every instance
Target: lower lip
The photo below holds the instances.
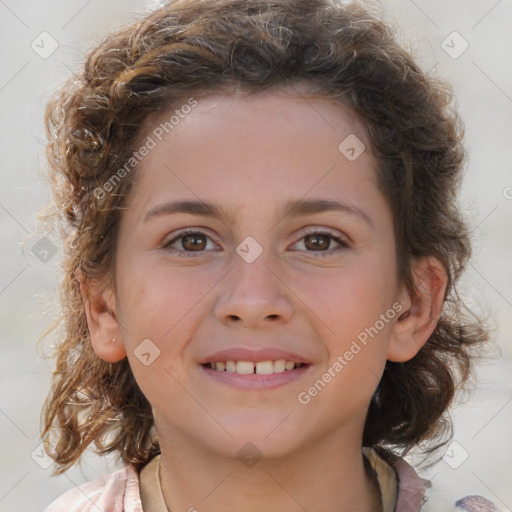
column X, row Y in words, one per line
column 255, row 381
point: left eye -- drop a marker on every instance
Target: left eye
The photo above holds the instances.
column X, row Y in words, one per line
column 193, row 241
column 320, row 241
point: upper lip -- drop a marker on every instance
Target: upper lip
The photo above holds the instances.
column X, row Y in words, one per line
column 254, row 355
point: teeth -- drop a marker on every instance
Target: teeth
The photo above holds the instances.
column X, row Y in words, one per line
column 260, row 367
column 264, row 367
column 244, row 367
column 279, row 366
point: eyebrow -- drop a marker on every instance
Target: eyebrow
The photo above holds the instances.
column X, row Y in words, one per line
column 293, row 208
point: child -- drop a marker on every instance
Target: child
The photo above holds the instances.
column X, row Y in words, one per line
column 261, row 250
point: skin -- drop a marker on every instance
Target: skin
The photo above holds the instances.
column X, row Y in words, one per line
column 250, row 154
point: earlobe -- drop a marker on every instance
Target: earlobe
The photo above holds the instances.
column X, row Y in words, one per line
column 423, row 308
column 104, row 328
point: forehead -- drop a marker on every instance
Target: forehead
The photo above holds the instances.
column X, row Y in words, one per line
column 235, row 148
column 289, row 108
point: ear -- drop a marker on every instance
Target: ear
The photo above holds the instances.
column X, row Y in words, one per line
column 101, row 313
column 422, row 309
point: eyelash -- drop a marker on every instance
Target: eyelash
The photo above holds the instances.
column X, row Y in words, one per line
column 343, row 244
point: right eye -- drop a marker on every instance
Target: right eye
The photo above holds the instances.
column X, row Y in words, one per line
column 190, row 240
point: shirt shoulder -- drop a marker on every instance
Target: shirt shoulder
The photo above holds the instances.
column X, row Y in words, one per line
column 400, row 486
column 114, row 492
column 415, row 494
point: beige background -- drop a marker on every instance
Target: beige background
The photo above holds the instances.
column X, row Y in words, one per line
column 480, row 461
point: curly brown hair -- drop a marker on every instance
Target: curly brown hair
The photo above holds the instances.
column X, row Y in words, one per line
column 193, row 48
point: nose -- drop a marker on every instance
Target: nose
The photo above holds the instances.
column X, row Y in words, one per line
column 254, row 294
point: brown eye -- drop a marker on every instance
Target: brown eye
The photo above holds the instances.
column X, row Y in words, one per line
column 321, row 243
column 318, row 242
column 193, row 242
column 188, row 242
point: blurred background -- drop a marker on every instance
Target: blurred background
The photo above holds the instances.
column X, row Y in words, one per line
column 467, row 42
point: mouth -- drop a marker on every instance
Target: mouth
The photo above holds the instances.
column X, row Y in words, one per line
column 254, row 367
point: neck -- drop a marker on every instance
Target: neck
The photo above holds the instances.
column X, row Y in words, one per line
column 329, row 476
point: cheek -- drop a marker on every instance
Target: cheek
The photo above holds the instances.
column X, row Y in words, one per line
column 164, row 305
column 359, row 313
column 354, row 310
column 349, row 298
column 156, row 298
column 159, row 306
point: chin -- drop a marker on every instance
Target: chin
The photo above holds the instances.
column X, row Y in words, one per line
column 271, row 437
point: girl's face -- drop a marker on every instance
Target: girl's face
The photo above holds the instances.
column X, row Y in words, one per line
column 256, row 233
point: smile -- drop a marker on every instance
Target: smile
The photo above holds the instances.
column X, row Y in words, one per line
column 254, row 367
column 255, row 376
